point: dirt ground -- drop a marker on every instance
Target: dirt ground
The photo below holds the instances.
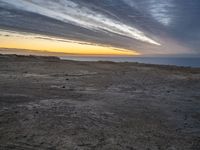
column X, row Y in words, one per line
column 52, row 104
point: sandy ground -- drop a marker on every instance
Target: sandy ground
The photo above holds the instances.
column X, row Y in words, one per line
column 49, row 104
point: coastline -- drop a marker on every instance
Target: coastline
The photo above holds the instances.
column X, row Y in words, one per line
column 48, row 103
column 114, row 59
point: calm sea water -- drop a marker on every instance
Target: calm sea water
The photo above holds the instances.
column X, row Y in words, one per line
column 187, row 62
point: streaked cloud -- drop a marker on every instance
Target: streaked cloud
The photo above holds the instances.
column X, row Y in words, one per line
column 71, row 12
column 160, row 10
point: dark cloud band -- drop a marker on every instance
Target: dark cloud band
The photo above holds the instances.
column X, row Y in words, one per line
column 132, row 24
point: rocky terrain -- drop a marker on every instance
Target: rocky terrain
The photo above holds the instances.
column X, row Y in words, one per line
column 52, row 104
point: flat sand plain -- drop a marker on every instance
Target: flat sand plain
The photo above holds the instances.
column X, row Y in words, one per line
column 52, row 104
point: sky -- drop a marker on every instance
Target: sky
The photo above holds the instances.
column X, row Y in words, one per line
column 102, row 27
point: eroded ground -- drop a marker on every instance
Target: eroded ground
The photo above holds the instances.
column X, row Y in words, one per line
column 49, row 104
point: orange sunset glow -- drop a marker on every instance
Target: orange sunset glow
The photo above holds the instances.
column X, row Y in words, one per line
column 50, row 44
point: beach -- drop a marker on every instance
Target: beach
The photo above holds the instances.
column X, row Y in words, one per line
column 52, row 104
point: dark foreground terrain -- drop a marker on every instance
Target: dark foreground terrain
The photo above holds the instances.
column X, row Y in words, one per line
column 49, row 104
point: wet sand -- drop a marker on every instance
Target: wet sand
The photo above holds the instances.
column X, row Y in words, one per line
column 52, row 104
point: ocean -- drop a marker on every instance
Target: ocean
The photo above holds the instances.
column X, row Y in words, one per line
column 177, row 61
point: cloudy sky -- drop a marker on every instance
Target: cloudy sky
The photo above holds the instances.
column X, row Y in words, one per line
column 146, row 27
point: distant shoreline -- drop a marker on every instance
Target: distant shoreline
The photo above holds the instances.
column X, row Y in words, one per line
column 171, row 61
column 181, row 61
column 61, row 59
